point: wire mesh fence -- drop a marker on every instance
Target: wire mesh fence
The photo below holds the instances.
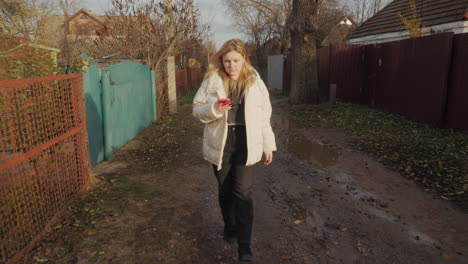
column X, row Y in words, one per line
column 44, row 159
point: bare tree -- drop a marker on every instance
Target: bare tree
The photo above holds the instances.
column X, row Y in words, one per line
column 304, row 79
column 22, row 17
column 137, row 29
column 264, row 20
column 200, row 50
column 36, row 20
column 67, row 8
column 364, row 9
column 329, row 15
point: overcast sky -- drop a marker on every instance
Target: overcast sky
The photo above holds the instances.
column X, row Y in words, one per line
column 212, row 13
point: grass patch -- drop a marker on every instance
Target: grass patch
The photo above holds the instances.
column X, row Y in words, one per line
column 125, row 189
column 111, row 194
column 278, row 94
column 188, row 98
column 433, row 157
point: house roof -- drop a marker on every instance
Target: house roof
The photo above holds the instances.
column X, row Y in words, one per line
column 434, row 12
column 83, row 44
column 110, row 48
column 14, row 44
column 39, row 46
column 102, row 19
column 51, row 33
column 344, row 18
column 339, row 32
column 98, row 18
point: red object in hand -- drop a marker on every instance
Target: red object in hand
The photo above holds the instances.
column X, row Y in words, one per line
column 224, row 101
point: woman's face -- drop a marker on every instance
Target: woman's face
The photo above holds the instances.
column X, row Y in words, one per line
column 233, row 62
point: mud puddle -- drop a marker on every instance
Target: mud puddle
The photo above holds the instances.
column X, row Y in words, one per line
column 316, row 152
column 368, row 213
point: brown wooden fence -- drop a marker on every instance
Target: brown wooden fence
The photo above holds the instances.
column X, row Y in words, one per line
column 424, row 78
column 44, row 159
column 186, row 80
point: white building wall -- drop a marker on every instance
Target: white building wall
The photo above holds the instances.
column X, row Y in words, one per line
column 455, row 27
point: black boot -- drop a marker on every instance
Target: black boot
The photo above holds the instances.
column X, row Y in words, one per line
column 245, row 254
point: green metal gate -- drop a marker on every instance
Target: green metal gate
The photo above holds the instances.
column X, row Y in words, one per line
column 93, row 90
column 120, row 103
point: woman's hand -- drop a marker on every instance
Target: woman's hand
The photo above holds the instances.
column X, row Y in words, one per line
column 222, row 108
column 268, row 159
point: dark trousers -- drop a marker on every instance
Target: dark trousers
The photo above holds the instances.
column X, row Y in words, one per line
column 235, row 185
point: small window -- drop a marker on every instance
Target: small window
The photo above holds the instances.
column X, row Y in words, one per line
column 84, row 16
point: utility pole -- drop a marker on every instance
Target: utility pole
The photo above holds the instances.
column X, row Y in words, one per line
column 170, row 66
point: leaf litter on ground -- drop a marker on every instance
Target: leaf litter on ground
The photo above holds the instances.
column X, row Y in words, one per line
column 110, row 194
column 436, row 158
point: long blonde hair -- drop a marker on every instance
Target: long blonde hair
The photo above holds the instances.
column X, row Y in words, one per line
column 247, row 74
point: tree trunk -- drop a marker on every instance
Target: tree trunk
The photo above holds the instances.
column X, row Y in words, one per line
column 171, row 85
column 304, row 78
column 170, row 69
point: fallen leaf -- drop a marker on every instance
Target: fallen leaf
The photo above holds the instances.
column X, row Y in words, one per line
column 91, row 233
column 41, row 260
column 440, row 164
column 298, row 222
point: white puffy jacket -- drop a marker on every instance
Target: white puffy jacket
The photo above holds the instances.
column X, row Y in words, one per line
column 260, row 137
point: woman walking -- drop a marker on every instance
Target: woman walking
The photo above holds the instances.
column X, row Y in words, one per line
column 237, row 133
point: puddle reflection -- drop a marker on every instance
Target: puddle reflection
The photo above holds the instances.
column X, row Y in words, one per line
column 319, row 154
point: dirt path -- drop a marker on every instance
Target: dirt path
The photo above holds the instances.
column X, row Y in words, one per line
column 319, row 202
